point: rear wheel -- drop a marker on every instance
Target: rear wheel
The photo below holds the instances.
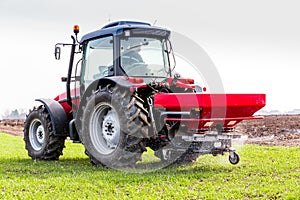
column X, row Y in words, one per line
column 112, row 126
column 39, row 140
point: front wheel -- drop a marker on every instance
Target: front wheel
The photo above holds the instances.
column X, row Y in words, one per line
column 39, row 141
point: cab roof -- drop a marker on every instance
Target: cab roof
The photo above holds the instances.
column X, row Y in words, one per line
column 118, row 27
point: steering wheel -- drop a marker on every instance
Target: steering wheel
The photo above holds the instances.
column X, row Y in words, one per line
column 137, row 69
column 104, row 71
column 127, row 60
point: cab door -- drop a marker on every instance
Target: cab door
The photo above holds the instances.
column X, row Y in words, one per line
column 97, row 61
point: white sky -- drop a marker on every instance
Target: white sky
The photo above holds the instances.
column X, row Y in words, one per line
column 255, row 44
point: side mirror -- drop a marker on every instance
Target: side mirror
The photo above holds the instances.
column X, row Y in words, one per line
column 57, row 53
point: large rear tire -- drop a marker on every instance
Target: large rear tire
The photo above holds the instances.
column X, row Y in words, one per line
column 112, row 126
column 40, row 143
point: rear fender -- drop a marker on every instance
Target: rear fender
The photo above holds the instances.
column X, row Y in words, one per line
column 58, row 117
column 103, row 82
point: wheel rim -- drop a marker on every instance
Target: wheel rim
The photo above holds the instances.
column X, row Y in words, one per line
column 234, row 158
column 36, row 134
column 104, row 128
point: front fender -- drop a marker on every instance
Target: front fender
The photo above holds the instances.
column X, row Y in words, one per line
column 58, row 117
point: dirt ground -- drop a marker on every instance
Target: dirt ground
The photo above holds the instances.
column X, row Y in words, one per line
column 279, row 130
column 13, row 127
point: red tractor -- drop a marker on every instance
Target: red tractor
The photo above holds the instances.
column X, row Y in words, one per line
column 123, row 96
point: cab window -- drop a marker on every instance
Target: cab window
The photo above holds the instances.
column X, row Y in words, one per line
column 97, row 60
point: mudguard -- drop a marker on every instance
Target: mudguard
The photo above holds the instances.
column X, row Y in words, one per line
column 58, row 117
column 95, row 85
column 115, row 80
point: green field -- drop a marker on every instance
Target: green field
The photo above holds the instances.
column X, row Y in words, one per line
column 263, row 173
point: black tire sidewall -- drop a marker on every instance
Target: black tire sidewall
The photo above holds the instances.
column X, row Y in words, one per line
column 235, row 160
column 35, row 114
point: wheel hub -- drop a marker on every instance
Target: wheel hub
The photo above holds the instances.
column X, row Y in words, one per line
column 40, row 134
column 110, row 130
column 36, row 134
column 104, row 128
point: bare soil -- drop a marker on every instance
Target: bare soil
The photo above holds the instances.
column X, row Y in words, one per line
column 275, row 130
column 279, row 130
column 12, row 126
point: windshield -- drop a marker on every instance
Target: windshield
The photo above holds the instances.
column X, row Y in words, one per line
column 144, row 56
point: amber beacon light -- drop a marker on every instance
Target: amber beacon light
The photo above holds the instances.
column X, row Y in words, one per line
column 76, row 29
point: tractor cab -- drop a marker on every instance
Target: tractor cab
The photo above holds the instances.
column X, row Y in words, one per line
column 132, row 49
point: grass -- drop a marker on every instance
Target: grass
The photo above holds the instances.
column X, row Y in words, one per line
column 263, row 173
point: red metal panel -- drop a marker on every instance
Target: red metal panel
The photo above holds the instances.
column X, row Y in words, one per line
column 62, row 98
column 193, row 123
column 212, row 105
